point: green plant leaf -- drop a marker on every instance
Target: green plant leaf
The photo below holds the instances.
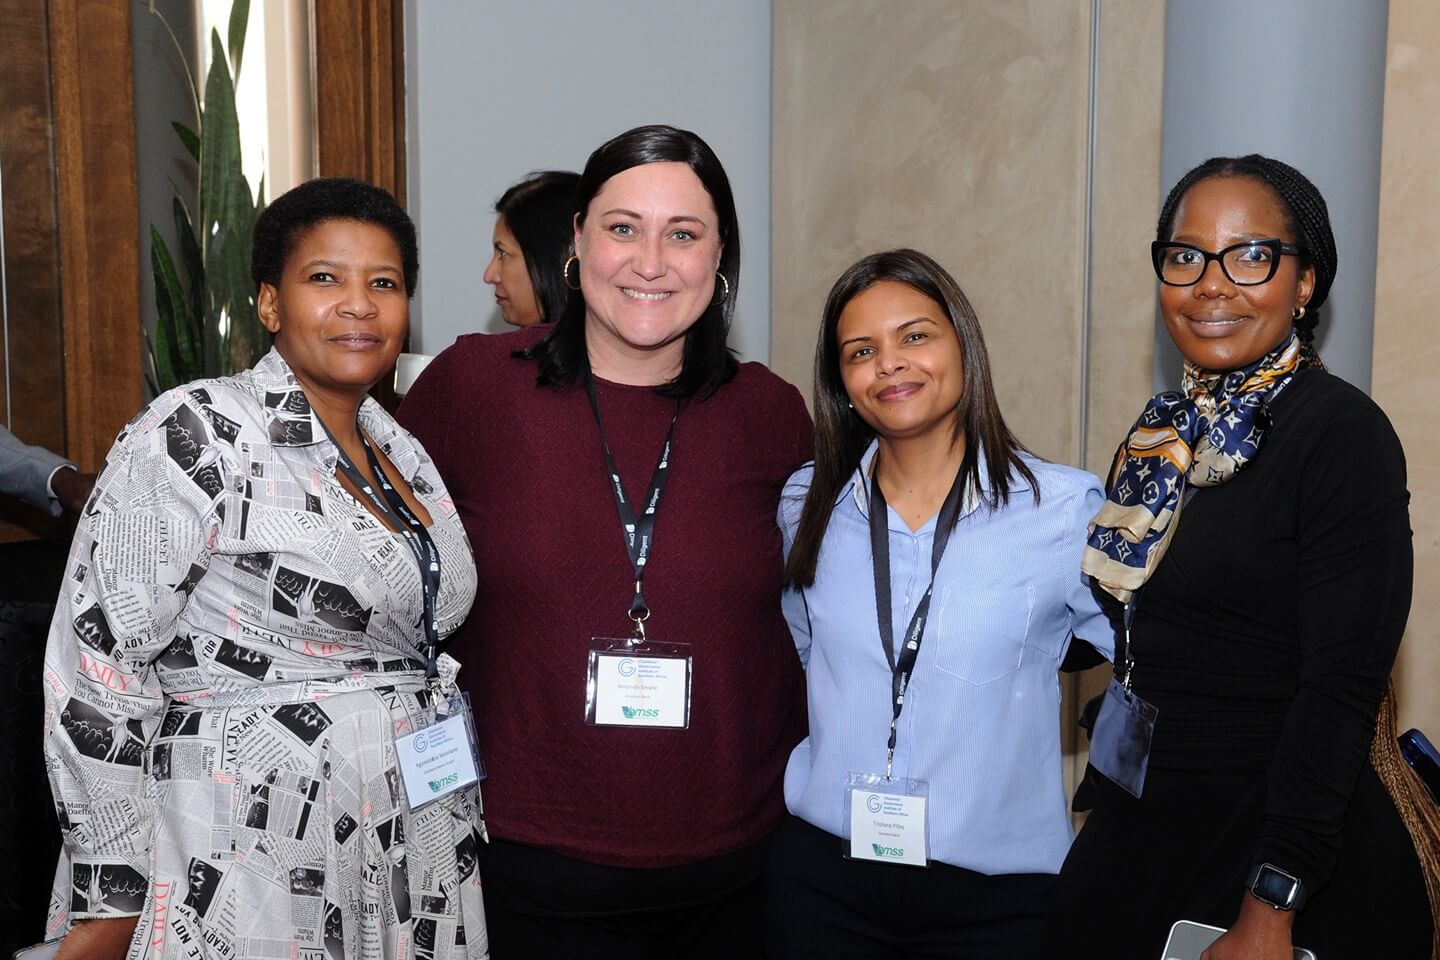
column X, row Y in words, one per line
column 235, row 36
column 165, row 356
column 190, row 257
column 174, row 312
column 188, row 137
column 221, row 177
column 248, row 337
column 152, row 379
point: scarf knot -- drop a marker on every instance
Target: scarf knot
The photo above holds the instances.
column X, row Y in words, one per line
column 1203, row 435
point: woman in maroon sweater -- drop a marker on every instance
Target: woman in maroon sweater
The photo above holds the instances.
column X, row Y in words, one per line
column 624, row 821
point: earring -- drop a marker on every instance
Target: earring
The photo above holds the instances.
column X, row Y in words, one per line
column 1299, row 314
column 565, row 272
column 850, row 405
column 726, row 282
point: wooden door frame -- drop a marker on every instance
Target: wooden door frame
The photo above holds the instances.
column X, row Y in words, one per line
column 360, row 90
column 359, row 50
column 93, row 91
column 87, row 146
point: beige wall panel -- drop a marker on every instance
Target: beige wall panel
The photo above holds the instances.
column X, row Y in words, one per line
column 958, row 129
column 1407, row 350
column 1125, row 203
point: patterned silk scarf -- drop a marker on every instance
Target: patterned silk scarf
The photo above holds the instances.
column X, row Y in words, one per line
column 1203, row 436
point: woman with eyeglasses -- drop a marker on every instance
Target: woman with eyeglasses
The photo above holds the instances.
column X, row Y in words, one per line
column 1262, row 629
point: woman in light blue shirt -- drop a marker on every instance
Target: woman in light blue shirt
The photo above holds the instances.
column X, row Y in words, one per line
column 928, row 812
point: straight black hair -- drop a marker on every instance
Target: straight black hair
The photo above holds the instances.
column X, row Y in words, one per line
column 708, row 362
column 538, row 212
column 841, row 436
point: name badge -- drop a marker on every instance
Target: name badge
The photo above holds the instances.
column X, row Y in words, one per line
column 887, row 819
column 1120, row 742
column 638, row 684
column 440, row 759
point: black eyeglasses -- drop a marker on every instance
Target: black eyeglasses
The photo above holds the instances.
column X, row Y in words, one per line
column 1245, row 264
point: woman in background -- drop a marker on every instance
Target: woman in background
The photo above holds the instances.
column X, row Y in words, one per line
column 933, row 566
column 533, row 230
column 1265, row 626
column 611, row 836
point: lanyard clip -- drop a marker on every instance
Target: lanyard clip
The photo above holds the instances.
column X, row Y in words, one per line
column 890, row 749
column 1129, row 647
column 638, row 614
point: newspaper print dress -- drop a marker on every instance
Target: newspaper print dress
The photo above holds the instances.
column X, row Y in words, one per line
column 234, row 650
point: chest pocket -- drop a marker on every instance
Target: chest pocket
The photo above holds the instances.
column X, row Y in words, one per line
column 980, row 637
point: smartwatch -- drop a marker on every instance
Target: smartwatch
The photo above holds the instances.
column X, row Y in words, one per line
column 1269, row 884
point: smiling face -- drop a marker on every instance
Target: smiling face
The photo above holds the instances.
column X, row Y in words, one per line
column 508, row 274
column 1219, row 325
column 649, row 248
column 900, row 361
column 340, row 313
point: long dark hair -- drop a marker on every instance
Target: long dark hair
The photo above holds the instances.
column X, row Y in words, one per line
column 841, row 436
column 708, row 362
column 538, row 212
column 1309, row 221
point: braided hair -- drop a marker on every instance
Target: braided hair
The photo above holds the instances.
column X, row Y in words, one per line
column 1308, row 220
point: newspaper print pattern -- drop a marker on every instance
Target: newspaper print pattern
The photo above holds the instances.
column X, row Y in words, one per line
column 234, row 650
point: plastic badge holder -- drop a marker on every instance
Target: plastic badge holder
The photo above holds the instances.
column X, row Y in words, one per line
column 885, row 826
column 422, row 791
column 638, row 683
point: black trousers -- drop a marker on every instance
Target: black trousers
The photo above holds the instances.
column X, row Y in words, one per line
column 540, row 905
column 819, row 904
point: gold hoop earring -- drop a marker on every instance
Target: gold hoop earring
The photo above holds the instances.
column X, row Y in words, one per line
column 565, row 273
column 1299, row 314
column 726, row 295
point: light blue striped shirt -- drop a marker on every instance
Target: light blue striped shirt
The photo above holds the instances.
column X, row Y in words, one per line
column 981, row 717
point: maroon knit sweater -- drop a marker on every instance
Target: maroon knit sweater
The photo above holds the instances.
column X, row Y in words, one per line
column 525, row 467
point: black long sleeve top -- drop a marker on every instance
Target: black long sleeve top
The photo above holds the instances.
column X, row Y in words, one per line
column 1268, row 631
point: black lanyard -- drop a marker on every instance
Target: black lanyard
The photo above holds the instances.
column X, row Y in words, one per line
column 902, row 668
column 392, row 507
column 639, row 532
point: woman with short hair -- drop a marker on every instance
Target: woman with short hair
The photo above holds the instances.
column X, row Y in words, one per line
column 249, row 635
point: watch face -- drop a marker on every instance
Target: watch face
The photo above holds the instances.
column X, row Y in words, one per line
column 1275, row 887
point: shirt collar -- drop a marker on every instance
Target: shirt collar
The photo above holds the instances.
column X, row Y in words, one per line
column 290, row 421
column 859, row 483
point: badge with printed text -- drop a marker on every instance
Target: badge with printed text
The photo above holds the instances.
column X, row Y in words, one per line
column 442, row 758
column 638, row 684
column 887, row 819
